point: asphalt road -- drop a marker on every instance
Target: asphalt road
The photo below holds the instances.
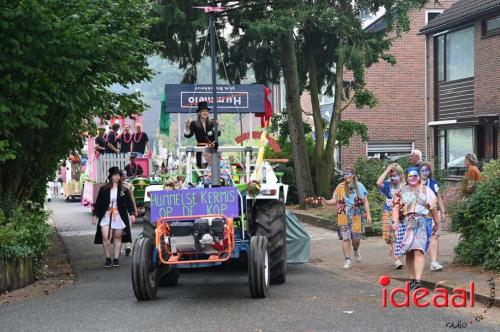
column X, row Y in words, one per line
column 313, row 299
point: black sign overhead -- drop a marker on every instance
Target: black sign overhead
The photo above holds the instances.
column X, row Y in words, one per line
column 238, row 98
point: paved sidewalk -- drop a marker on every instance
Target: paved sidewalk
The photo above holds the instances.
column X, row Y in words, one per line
column 326, row 250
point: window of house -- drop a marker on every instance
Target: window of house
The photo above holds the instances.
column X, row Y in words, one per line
column 442, row 148
column 392, row 150
column 432, row 14
column 459, row 142
column 440, row 57
column 491, row 26
column 455, row 54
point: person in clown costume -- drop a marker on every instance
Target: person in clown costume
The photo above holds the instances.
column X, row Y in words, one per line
column 413, row 210
column 351, row 199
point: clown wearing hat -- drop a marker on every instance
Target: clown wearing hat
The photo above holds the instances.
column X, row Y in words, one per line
column 202, row 128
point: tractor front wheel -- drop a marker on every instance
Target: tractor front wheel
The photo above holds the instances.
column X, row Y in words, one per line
column 258, row 267
column 144, row 273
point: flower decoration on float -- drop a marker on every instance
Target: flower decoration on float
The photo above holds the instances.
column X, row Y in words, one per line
column 253, row 188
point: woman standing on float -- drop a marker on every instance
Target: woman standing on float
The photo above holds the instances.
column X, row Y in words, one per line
column 202, row 128
column 412, row 209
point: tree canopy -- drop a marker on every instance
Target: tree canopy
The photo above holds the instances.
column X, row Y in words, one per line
column 57, row 62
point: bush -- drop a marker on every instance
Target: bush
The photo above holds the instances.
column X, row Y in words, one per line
column 368, row 171
column 478, row 221
column 24, row 233
column 376, row 201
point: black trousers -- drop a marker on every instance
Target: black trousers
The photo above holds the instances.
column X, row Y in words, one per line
column 198, row 159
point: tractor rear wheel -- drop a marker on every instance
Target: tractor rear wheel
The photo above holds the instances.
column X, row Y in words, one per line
column 258, row 267
column 270, row 221
column 144, row 273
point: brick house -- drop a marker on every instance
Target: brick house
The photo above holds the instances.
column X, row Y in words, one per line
column 463, row 46
column 397, row 124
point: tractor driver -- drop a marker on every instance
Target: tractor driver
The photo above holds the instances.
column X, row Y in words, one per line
column 202, row 128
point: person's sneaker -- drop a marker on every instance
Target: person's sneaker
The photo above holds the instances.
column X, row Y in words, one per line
column 347, row 264
column 398, row 264
column 116, row 262
column 435, row 266
column 416, row 285
column 128, row 250
column 357, row 256
column 107, row 263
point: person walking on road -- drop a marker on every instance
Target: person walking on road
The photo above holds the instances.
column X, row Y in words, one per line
column 389, row 188
column 412, row 209
column 351, row 197
column 415, row 159
column 471, row 176
column 427, row 179
column 111, row 211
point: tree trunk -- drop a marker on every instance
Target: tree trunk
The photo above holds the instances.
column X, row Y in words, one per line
column 337, row 105
column 297, row 136
column 319, row 164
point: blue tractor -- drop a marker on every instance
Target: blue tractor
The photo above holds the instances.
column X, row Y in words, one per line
column 200, row 225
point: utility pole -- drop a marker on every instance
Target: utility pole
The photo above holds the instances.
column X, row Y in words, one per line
column 215, row 157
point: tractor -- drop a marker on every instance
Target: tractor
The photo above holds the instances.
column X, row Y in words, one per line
column 201, row 225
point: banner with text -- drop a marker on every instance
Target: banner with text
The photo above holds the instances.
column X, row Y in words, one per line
column 198, row 201
column 184, row 98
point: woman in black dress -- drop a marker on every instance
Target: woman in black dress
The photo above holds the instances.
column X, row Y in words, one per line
column 202, row 128
column 111, row 211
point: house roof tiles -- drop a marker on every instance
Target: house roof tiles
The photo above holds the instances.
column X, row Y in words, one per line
column 460, row 12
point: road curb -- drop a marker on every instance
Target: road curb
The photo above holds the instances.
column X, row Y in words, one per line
column 315, row 220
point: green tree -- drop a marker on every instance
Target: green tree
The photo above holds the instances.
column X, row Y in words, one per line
column 332, row 41
column 262, row 37
column 58, row 60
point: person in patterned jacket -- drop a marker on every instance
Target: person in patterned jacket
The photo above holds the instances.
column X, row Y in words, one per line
column 351, row 199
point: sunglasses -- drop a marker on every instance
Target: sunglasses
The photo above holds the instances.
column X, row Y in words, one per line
column 347, row 174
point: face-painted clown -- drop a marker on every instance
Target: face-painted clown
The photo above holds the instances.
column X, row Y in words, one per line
column 348, row 176
column 395, row 178
column 425, row 172
column 413, row 177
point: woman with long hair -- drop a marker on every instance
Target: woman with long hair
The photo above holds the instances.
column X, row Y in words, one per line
column 388, row 188
column 427, row 179
column 111, row 211
column 202, row 128
column 351, row 199
column 471, row 176
column 414, row 209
